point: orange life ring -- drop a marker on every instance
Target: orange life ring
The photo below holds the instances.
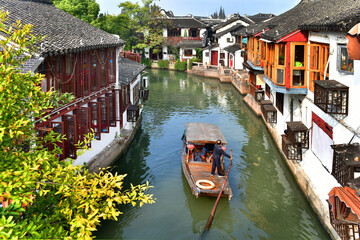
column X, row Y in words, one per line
column 209, row 184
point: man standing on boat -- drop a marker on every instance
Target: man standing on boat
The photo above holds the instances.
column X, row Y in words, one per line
column 218, row 151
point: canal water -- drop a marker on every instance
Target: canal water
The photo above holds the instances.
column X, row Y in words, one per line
column 267, row 203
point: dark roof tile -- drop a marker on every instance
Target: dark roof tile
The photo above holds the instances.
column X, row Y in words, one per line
column 306, row 13
column 63, row 32
column 187, row 22
column 128, row 70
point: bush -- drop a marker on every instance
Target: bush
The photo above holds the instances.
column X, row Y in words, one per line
column 194, row 59
column 146, row 62
column 163, row 64
column 180, row 66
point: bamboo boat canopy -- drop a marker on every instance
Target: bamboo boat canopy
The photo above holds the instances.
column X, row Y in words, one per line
column 198, row 132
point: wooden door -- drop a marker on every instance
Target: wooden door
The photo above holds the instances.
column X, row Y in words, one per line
column 214, row 58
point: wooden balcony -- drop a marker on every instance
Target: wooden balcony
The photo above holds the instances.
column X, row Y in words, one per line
column 331, row 96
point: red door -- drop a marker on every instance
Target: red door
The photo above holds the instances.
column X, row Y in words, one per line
column 214, row 58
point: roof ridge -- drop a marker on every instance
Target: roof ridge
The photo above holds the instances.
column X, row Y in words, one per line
column 38, row 1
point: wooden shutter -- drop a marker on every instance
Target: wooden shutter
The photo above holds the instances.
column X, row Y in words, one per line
column 58, row 128
column 95, row 119
column 70, row 135
column 104, row 107
column 112, row 109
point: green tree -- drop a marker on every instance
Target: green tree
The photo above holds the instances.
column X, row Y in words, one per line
column 86, row 10
column 41, row 197
column 142, row 25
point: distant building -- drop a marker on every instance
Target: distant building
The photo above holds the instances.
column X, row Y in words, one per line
column 181, row 38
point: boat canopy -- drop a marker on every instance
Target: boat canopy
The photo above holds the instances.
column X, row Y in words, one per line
column 198, row 132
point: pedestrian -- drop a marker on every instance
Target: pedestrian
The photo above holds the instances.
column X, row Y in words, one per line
column 218, row 151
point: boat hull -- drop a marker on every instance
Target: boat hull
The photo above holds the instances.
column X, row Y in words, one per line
column 195, row 171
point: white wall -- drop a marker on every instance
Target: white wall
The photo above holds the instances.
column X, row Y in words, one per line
column 206, row 60
column 239, row 60
column 147, row 53
column 165, row 32
column 165, row 53
column 341, row 133
column 223, row 40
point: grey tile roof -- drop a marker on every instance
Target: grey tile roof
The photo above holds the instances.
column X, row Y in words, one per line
column 31, row 64
column 306, row 12
column 190, row 44
column 64, row 32
column 128, row 70
column 187, row 22
column 260, row 17
column 233, row 48
column 231, row 29
column 232, row 19
column 339, row 22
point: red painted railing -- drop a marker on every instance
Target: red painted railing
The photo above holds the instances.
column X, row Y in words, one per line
column 130, row 55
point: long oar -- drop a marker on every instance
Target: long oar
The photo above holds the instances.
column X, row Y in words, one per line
column 211, row 217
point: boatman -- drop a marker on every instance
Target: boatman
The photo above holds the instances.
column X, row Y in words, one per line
column 218, row 151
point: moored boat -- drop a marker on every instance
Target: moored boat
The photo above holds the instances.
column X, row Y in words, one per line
column 198, row 143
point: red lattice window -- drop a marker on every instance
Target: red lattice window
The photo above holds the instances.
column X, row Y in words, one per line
column 112, row 109
column 58, row 128
column 70, row 135
column 105, row 125
column 83, row 122
column 95, row 119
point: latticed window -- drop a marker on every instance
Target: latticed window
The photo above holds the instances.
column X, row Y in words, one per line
column 133, row 113
column 70, row 135
column 259, row 95
column 58, row 128
column 344, row 63
column 292, row 152
column 95, row 119
column 83, row 123
column 331, row 97
column 112, row 109
column 105, row 125
column 269, row 112
column 346, row 164
column 345, row 230
column 298, row 134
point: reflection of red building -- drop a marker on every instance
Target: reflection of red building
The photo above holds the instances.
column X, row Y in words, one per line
column 82, row 60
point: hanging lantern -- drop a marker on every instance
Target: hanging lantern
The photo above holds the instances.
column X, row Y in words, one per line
column 190, row 146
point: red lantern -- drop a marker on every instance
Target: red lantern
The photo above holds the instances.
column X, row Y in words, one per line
column 190, row 146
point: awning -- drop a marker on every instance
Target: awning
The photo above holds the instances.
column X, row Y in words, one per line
column 198, row 132
column 348, row 199
column 353, row 45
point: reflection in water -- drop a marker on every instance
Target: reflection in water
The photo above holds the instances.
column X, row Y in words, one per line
column 267, row 203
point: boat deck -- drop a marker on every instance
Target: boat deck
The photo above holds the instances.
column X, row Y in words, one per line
column 202, row 170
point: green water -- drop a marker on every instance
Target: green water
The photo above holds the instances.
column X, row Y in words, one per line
column 267, row 202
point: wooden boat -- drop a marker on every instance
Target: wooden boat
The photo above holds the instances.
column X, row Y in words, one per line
column 198, row 173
